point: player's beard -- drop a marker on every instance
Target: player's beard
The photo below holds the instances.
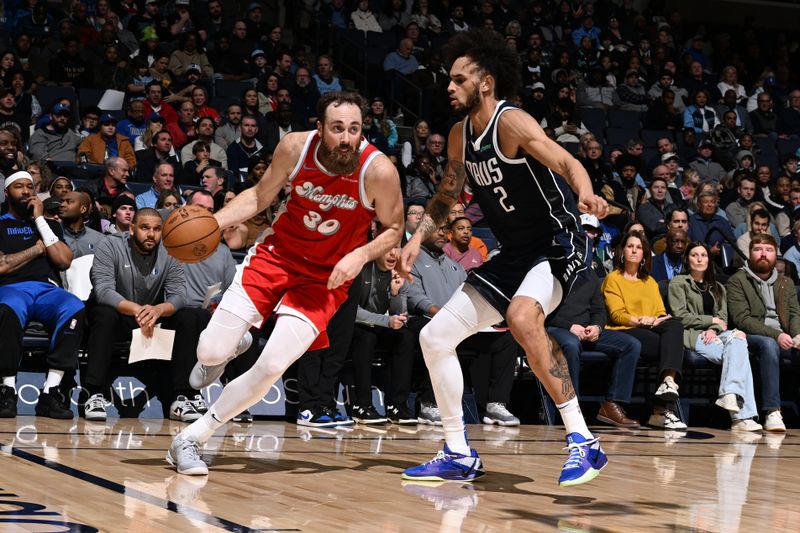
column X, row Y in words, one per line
column 341, row 164
column 473, row 102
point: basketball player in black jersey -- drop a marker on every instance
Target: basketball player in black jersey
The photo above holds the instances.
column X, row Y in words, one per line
column 515, row 172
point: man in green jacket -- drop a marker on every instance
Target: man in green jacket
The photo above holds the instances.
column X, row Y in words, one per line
column 763, row 304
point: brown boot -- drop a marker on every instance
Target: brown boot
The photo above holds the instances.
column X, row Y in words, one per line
column 614, row 414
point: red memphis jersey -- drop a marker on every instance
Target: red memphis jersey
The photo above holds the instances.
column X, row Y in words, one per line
column 326, row 216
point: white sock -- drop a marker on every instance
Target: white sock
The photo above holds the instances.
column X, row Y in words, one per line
column 465, row 313
column 53, row 379
column 10, row 381
column 573, row 418
column 204, row 427
column 455, row 435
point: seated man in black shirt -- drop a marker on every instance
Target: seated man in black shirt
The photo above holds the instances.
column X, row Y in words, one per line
column 32, row 251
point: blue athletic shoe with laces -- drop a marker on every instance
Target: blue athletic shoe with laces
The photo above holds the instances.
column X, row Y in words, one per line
column 586, row 459
column 448, row 466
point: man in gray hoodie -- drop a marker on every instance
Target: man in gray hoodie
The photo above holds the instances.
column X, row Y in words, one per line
column 136, row 284
column 436, row 279
column 763, row 304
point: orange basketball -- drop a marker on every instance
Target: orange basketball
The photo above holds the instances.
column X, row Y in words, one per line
column 191, row 234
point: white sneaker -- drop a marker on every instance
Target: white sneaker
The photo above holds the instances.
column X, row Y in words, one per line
column 95, row 408
column 774, row 421
column 185, row 455
column 202, row 375
column 668, row 390
column 729, row 402
column 748, row 424
column 182, row 409
column 666, row 419
column 496, row 413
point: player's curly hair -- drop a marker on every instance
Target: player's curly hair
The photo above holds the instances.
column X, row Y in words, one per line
column 338, row 98
column 487, row 49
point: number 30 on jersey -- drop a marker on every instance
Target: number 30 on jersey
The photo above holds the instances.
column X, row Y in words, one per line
column 314, row 222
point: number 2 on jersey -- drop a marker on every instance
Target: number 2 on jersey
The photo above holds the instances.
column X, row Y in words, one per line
column 502, row 200
column 313, row 221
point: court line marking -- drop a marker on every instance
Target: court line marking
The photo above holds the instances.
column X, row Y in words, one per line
column 789, row 441
column 367, row 452
column 183, row 510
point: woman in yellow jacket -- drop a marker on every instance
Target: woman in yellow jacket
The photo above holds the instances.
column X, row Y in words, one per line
column 635, row 307
column 98, row 147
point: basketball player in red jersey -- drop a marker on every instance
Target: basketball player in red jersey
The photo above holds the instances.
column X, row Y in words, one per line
column 302, row 268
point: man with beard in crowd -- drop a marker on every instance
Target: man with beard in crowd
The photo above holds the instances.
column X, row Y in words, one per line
column 56, row 141
column 32, row 252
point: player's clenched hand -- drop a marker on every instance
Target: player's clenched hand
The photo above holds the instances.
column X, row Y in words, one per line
column 593, row 205
column 346, row 269
column 407, row 257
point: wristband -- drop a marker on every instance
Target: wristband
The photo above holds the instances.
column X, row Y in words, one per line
column 48, row 237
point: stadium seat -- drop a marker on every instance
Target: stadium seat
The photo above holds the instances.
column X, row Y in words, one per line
column 90, row 97
column 138, row 188
column 231, row 88
column 627, row 120
column 618, row 137
column 595, row 121
column 651, row 137
column 486, row 235
column 47, row 94
column 787, row 146
column 766, row 145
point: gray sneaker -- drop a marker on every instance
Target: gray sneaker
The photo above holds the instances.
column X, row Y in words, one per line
column 203, row 375
column 185, row 455
column 496, row 413
column 429, row 414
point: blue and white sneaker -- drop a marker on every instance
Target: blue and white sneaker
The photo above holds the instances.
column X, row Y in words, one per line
column 338, row 418
column 314, row 418
column 448, row 466
column 586, row 459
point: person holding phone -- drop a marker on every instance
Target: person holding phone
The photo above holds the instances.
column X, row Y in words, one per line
column 634, row 306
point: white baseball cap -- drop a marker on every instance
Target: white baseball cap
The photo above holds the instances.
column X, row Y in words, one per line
column 589, row 220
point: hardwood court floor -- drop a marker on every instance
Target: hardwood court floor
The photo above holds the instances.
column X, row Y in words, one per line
column 275, row 476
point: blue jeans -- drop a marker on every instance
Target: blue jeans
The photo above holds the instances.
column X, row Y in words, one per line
column 737, row 378
column 623, row 349
column 768, row 352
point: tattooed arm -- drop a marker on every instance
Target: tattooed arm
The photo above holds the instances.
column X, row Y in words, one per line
column 439, row 206
column 13, row 262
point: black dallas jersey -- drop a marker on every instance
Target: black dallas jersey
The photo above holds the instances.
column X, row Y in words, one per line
column 527, row 206
column 529, row 209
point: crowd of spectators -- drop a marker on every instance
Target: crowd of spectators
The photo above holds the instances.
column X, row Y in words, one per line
column 691, row 135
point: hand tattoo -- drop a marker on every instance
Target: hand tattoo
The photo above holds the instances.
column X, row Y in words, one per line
column 447, row 194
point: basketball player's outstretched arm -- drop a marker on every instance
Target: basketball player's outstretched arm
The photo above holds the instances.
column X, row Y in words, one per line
column 256, row 199
column 439, row 206
column 518, row 130
column 382, row 184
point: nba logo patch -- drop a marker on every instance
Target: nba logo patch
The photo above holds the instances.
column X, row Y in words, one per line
column 73, row 324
